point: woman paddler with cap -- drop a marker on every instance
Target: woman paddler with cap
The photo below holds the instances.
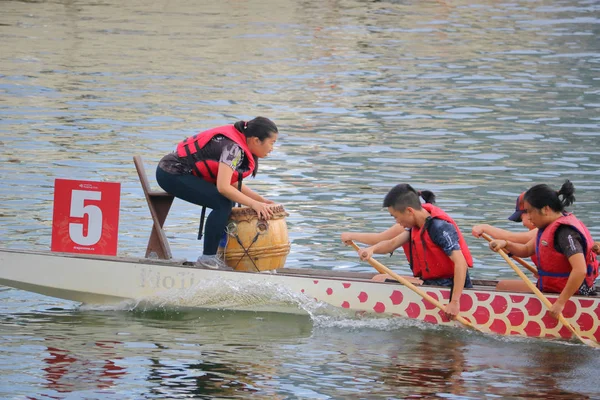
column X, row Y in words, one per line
column 566, row 263
column 518, row 237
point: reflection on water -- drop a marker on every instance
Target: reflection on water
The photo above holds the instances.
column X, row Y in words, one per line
column 448, row 364
column 474, row 100
column 164, row 354
column 65, row 373
column 440, row 370
column 176, row 352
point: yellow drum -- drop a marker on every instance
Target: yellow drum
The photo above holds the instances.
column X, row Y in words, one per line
column 256, row 245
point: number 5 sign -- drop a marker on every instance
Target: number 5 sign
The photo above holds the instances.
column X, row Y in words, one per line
column 86, row 217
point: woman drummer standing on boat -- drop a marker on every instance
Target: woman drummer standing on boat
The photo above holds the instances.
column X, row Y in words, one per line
column 207, row 169
column 563, row 245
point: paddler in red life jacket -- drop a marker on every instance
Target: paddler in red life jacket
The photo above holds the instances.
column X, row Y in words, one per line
column 433, row 244
column 519, row 237
column 207, row 169
column 563, row 246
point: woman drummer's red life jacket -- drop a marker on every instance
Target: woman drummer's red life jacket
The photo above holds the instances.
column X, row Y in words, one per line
column 428, row 260
column 553, row 267
column 207, row 169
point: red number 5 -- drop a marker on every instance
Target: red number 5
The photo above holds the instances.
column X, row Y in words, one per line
column 94, row 213
column 86, row 217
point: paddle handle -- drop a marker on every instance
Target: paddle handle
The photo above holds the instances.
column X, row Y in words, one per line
column 385, row 270
column 517, row 259
column 543, row 298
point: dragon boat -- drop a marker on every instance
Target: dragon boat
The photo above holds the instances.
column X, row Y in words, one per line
column 159, row 280
column 112, row 280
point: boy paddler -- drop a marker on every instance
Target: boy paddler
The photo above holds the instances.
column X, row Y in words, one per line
column 433, row 244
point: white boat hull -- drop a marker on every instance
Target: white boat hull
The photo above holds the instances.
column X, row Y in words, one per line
column 114, row 280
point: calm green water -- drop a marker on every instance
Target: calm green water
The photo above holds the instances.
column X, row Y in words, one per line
column 475, row 101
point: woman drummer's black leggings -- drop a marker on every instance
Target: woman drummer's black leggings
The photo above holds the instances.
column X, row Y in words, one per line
column 198, row 191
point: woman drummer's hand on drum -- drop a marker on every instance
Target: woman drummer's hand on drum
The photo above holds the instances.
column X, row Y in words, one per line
column 262, row 209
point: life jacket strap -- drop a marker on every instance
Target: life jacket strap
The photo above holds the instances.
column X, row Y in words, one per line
column 201, row 229
column 192, row 160
column 240, row 177
column 541, row 272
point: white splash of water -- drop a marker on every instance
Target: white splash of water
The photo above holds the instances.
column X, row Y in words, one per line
column 226, row 294
column 264, row 296
column 260, row 296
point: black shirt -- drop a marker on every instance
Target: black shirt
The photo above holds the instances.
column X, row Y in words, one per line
column 218, row 148
column 444, row 234
column 568, row 241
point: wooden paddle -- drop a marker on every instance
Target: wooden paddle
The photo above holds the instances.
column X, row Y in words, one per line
column 385, row 270
column 545, row 300
column 517, row 259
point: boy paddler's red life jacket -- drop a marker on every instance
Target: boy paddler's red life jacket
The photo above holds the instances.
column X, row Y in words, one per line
column 207, row 169
column 553, row 267
column 534, row 259
column 428, row 260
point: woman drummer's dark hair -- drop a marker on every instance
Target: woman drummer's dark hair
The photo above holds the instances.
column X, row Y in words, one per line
column 540, row 196
column 260, row 127
column 403, row 195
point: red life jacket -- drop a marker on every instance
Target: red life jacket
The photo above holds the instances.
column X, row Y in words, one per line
column 428, row 260
column 207, row 169
column 534, row 259
column 553, row 267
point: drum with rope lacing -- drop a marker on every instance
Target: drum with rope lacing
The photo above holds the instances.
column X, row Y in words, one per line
column 256, row 245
